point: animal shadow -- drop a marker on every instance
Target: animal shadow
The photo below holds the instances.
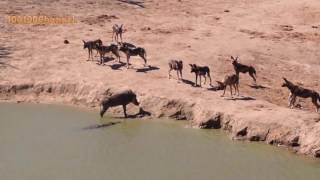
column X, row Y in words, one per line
column 219, row 87
column 99, row 126
column 107, row 59
column 257, row 86
column 147, row 69
column 188, row 82
column 133, row 2
column 117, row 66
column 241, row 98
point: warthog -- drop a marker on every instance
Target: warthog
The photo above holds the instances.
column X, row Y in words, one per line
column 122, row 98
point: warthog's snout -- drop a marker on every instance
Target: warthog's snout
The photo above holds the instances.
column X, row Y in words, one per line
column 135, row 102
column 102, row 111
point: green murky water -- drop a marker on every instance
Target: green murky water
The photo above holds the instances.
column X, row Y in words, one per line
column 46, row 142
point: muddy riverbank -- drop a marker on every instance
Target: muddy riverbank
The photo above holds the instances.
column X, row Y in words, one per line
column 296, row 130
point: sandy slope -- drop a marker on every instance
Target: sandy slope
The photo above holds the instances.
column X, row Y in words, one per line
column 279, row 38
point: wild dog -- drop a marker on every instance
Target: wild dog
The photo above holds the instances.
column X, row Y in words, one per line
column 231, row 81
column 137, row 51
column 298, row 91
column 91, row 45
column 200, row 71
column 176, row 65
column 122, row 98
column 117, row 32
column 106, row 49
column 127, row 45
column 241, row 68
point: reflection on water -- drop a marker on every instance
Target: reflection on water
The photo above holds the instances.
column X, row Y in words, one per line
column 46, row 142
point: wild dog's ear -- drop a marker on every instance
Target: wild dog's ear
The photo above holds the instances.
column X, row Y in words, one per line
column 285, row 79
column 83, row 41
column 237, row 58
column 121, row 25
column 191, row 65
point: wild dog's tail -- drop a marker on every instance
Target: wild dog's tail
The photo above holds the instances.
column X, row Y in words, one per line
column 145, row 53
column 318, row 96
column 253, row 71
column 144, row 56
column 208, row 73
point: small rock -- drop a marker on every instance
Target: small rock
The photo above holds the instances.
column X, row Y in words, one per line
column 66, row 42
column 227, row 10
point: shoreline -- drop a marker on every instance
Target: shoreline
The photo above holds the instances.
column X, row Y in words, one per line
column 176, row 109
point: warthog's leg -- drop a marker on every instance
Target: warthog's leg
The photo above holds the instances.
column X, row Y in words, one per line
column 125, row 111
column 180, row 74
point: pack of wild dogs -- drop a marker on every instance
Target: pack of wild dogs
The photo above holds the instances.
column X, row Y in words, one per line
column 127, row 48
column 231, row 80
